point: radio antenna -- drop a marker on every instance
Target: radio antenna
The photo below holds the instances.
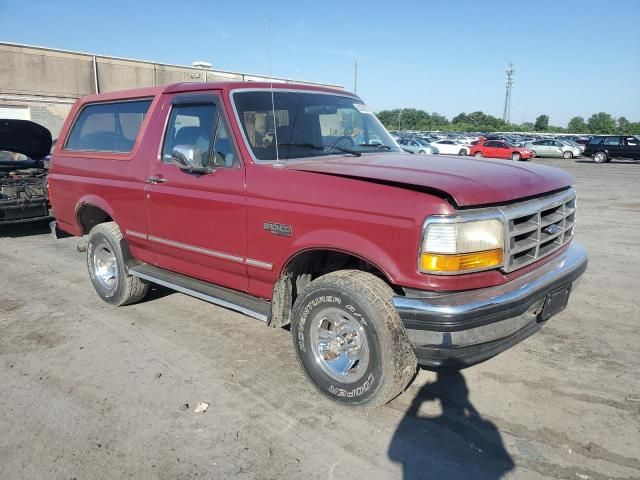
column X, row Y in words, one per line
column 273, row 103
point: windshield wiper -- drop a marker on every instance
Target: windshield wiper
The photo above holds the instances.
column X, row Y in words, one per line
column 321, row 148
column 345, row 150
column 376, row 145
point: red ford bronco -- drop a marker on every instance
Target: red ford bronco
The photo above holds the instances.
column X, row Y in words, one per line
column 292, row 204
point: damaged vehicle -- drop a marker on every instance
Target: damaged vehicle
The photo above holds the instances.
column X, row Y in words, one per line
column 24, row 148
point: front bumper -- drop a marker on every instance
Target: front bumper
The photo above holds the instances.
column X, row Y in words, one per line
column 460, row 329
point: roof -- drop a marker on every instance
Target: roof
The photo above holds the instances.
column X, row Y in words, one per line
column 200, row 86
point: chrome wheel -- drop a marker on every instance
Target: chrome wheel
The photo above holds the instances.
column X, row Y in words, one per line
column 600, row 157
column 339, row 345
column 568, row 155
column 105, row 266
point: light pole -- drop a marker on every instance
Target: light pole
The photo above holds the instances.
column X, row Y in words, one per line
column 204, row 66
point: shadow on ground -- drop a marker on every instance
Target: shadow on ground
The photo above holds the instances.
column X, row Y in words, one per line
column 28, row 229
column 457, row 443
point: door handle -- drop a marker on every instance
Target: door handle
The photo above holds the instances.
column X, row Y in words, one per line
column 156, row 180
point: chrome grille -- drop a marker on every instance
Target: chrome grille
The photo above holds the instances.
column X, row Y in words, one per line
column 538, row 227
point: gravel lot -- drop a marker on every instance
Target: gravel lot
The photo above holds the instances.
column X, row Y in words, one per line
column 91, row 391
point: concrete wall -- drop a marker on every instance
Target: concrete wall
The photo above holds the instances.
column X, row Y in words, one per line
column 48, row 81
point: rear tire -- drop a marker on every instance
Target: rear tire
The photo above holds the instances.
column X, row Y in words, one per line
column 422, row 152
column 350, row 341
column 567, row 155
column 106, row 250
column 600, row 157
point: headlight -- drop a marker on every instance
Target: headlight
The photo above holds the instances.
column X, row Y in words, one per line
column 450, row 247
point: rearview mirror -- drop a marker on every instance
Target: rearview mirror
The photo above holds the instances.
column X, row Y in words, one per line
column 188, row 157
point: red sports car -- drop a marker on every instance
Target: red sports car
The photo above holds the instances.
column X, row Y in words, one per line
column 500, row 149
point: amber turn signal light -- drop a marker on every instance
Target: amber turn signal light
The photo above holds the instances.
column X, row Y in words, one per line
column 456, row 263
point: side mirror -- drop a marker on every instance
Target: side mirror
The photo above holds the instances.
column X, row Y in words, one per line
column 188, row 157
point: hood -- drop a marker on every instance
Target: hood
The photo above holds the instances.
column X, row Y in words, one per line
column 25, row 137
column 467, row 180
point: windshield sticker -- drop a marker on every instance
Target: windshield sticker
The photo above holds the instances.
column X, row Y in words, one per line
column 362, row 108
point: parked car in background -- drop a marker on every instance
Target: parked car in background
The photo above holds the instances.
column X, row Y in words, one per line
column 500, row 149
column 24, row 146
column 602, row 148
column 417, row 145
column 553, row 148
column 573, row 143
column 451, row 147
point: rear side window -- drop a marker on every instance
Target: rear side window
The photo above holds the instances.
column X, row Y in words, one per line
column 108, row 127
column 612, row 141
column 596, row 141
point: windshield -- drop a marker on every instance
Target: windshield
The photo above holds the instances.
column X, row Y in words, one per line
column 309, row 125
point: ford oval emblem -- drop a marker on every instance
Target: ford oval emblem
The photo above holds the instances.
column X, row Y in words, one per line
column 551, row 229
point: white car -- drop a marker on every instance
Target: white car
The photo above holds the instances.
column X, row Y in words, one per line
column 451, row 147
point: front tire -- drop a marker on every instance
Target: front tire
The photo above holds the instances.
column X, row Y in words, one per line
column 462, row 152
column 516, row 157
column 350, row 341
column 422, row 152
column 567, row 155
column 106, row 249
column 478, row 155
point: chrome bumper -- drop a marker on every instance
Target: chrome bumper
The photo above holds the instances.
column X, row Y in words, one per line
column 464, row 328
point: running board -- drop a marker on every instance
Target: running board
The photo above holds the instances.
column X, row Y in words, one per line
column 224, row 297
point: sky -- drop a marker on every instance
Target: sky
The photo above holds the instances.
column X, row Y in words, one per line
column 571, row 57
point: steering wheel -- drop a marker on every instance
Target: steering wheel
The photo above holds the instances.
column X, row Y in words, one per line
column 343, row 138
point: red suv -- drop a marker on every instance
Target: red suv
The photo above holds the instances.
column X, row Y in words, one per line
column 293, row 205
column 500, row 149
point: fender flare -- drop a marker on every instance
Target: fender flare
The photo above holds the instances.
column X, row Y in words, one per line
column 344, row 242
column 94, row 201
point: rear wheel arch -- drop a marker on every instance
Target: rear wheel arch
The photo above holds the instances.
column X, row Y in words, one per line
column 88, row 215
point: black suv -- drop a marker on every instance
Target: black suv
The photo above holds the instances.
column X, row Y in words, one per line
column 602, row 148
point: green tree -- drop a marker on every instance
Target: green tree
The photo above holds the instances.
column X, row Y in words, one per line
column 634, row 128
column 601, row 123
column 623, row 125
column 577, row 125
column 542, row 123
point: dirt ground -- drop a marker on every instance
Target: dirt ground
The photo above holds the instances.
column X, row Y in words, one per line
column 90, row 391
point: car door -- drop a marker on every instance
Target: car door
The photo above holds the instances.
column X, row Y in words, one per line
column 631, row 147
column 447, row 147
column 612, row 144
column 197, row 221
column 501, row 150
column 555, row 148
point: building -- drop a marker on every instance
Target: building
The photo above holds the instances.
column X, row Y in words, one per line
column 41, row 84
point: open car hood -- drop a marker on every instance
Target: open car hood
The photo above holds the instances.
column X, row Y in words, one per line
column 466, row 180
column 25, row 137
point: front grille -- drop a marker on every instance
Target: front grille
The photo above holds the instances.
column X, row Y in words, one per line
column 538, row 227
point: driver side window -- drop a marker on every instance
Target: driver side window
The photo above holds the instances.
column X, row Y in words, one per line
column 199, row 126
column 190, row 125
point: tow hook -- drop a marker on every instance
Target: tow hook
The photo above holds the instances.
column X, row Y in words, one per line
column 82, row 247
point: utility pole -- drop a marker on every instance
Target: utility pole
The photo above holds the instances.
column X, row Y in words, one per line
column 355, row 76
column 506, row 114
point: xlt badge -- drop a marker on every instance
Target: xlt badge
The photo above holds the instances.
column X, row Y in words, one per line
column 278, row 229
